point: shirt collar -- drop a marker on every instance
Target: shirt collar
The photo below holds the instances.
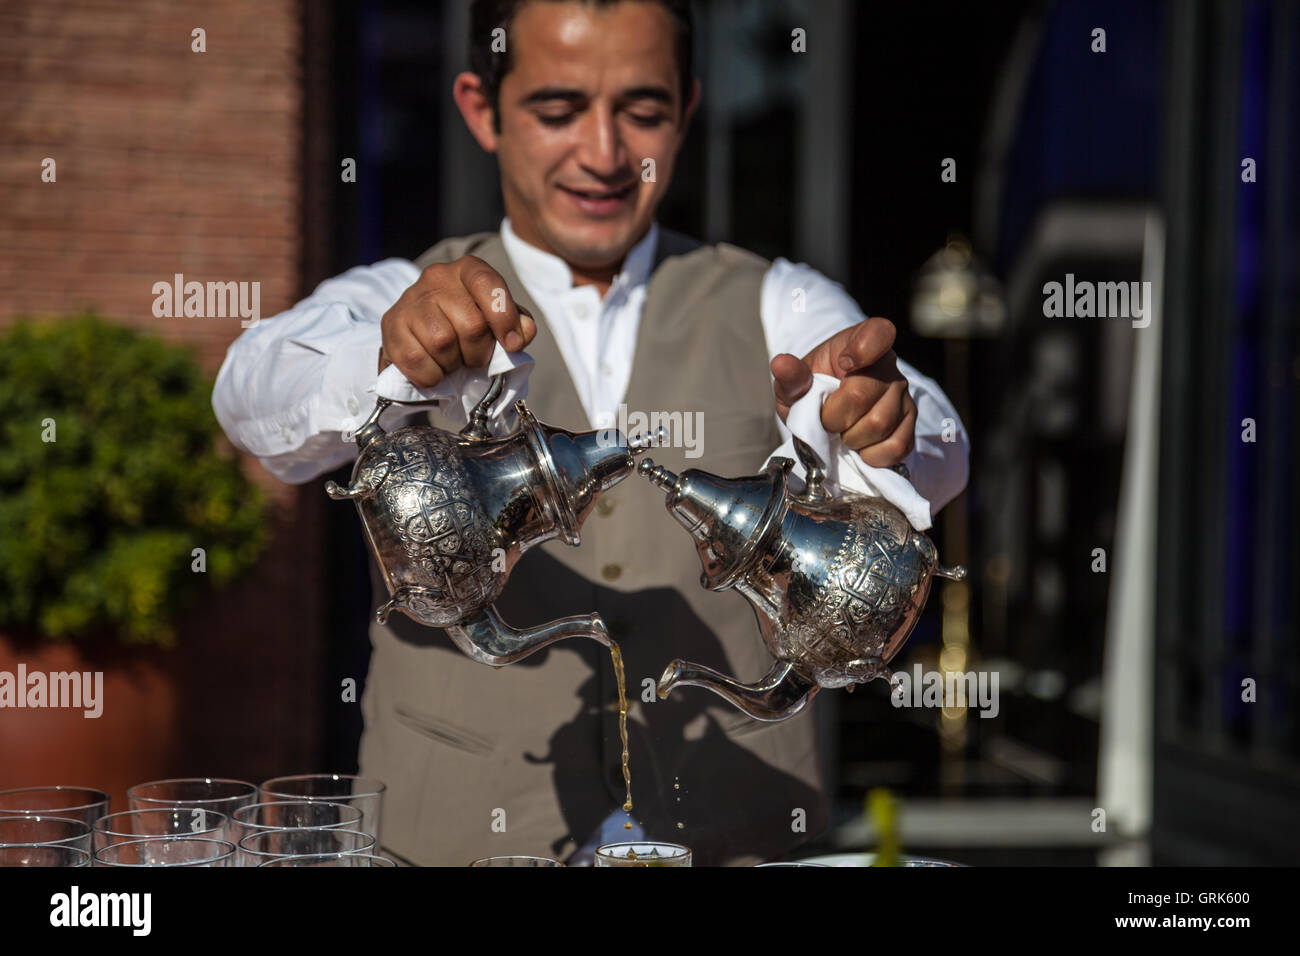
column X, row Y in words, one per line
column 546, row 271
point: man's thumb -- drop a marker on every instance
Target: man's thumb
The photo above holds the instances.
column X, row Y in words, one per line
column 791, row 379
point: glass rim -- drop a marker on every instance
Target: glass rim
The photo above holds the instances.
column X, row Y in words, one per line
column 28, row 817
column 262, row 833
column 58, row 788
column 824, row 866
column 235, row 815
column 281, row 860
column 377, row 791
column 131, row 794
column 601, row 850
column 548, row 860
column 99, row 826
column 115, row 847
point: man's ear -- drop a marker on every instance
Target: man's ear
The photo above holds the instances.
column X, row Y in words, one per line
column 475, row 108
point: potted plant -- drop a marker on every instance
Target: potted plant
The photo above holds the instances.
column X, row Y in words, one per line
column 119, row 507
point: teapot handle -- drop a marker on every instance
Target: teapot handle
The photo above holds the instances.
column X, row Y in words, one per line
column 815, row 471
column 477, row 426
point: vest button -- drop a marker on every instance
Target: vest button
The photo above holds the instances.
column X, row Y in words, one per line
column 610, row 572
column 604, row 506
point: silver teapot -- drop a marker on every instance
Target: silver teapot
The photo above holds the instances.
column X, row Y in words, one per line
column 447, row 516
column 837, row 583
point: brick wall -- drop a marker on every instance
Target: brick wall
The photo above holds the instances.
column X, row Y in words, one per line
column 167, row 160
column 174, row 161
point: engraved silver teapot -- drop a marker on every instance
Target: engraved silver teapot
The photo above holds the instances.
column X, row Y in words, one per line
column 837, row 583
column 447, row 516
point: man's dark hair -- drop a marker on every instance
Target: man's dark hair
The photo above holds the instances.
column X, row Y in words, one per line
column 491, row 68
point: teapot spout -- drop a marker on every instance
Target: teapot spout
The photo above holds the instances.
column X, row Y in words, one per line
column 490, row 640
column 781, row 693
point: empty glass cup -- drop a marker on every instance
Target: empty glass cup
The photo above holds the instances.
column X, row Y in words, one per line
column 40, row 830
column 258, row 847
column 516, row 861
column 79, row 803
column 204, row 793
column 173, row 851
column 330, row 859
column 43, row 854
column 643, row 854
column 364, row 793
column 295, row 815
column 164, row 822
column 822, row 865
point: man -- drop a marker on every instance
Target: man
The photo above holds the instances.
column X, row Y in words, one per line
column 583, row 99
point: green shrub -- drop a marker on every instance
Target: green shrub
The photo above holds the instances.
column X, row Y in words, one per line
column 98, row 526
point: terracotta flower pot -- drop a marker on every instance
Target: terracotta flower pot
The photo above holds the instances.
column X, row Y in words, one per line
column 132, row 740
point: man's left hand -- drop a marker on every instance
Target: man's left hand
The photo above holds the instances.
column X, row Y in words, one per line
column 871, row 409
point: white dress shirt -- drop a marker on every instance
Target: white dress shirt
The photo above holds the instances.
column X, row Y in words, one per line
column 293, row 385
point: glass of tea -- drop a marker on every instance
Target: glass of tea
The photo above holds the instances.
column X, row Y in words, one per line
column 643, row 854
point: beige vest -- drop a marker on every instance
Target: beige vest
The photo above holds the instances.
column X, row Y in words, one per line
column 525, row 759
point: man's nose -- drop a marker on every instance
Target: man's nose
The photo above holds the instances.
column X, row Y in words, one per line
column 602, row 153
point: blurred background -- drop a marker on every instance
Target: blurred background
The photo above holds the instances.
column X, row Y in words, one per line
column 1131, row 517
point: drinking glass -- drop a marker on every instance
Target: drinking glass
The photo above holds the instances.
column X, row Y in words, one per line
column 295, row 815
column 167, row 851
column 79, row 803
column 203, row 793
column 330, row 859
column 43, row 854
column 164, row 822
column 643, row 854
column 925, row 861
column 822, row 865
column 516, row 861
column 262, row 845
column 43, row 830
column 364, row 793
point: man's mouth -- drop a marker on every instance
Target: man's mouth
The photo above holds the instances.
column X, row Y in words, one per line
column 600, row 200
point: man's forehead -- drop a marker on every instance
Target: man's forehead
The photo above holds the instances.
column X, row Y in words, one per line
column 629, row 43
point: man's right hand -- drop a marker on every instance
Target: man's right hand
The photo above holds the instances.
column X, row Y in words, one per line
column 452, row 316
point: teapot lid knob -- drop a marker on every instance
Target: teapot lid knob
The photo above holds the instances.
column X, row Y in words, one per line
column 814, row 471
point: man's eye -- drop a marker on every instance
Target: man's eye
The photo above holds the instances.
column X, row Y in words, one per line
column 647, row 119
column 555, row 119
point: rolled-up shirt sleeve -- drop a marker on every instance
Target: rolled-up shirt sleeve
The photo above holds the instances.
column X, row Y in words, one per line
column 801, row 308
column 293, row 387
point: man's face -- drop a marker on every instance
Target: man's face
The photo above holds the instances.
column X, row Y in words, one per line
column 592, row 94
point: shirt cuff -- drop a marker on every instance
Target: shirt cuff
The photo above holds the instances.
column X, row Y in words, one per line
column 351, row 370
